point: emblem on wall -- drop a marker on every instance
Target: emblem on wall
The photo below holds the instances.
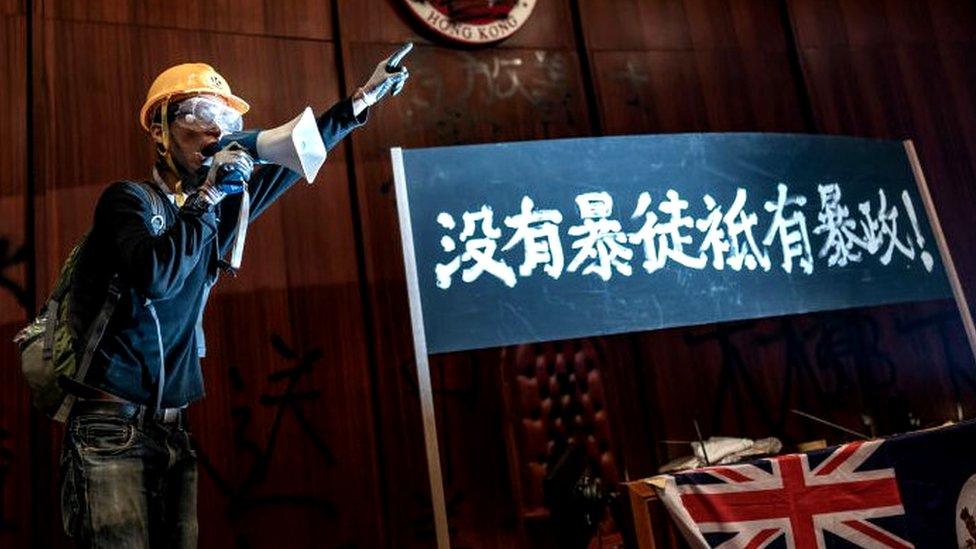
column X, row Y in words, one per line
column 473, row 21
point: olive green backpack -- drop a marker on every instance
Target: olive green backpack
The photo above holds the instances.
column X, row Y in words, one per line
column 48, row 345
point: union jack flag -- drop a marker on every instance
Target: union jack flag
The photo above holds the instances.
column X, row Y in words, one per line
column 801, row 501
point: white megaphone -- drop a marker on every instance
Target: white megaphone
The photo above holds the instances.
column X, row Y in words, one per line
column 296, row 145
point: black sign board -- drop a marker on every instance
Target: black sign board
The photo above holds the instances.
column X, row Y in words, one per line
column 535, row 241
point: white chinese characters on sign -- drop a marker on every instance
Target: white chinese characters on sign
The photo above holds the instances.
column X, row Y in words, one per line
column 844, row 245
column 600, row 242
column 669, row 237
column 791, row 231
column 538, row 232
column 836, row 223
column 478, row 252
column 736, row 239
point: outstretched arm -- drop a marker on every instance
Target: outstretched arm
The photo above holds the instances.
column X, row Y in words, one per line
column 270, row 182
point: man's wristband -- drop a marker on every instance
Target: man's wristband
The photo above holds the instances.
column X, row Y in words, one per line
column 359, row 102
column 197, row 203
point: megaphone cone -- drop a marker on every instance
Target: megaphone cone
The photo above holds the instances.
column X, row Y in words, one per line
column 296, row 145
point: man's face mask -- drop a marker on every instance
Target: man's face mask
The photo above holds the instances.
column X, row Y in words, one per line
column 206, row 114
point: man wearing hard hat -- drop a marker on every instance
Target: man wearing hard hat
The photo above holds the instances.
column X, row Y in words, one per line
column 129, row 473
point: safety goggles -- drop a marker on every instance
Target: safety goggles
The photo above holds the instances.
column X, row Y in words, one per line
column 202, row 113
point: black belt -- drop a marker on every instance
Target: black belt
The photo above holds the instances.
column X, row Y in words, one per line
column 128, row 410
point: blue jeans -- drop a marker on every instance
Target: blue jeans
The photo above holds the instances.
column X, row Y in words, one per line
column 128, row 485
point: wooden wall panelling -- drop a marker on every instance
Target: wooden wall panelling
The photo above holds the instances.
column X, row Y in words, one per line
column 15, row 409
column 885, row 361
column 13, row 121
column 689, row 91
column 12, row 7
column 632, row 430
column 390, row 22
column 894, row 71
column 291, row 18
column 453, row 97
column 474, row 461
column 686, row 66
column 302, row 475
column 648, row 25
column 693, row 65
column 858, row 23
column 315, row 471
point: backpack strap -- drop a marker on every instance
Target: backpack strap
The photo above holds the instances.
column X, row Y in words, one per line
column 51, row 312
column 63, row 283
column 157, row 223
column 94, row 336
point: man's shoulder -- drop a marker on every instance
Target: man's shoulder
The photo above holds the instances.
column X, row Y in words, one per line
column 129, row 194
column 126, row 188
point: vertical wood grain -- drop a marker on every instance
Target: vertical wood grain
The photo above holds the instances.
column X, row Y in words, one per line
column 15, row 409
column 285, row 18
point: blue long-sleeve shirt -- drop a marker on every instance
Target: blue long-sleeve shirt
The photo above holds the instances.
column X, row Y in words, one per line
column 175, row 269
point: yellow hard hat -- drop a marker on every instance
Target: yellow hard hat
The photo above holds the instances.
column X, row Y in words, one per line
column 188, row 79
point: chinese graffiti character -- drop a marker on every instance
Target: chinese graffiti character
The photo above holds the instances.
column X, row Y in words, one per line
column 535, row 78
column 791, row 231
column 601, row 241
column 946, row 327
column 664, row 240
column 480, row 250
column 441, row 106
column 856, row 371
column 636, row 80
column 10, row 257
column 735, row 239
column 255, row 492
column 735, row 381
column 501, row 77
column 538, row 231
column 835, row 221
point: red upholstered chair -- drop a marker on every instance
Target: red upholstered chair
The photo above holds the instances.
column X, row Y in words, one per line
column 554, row 396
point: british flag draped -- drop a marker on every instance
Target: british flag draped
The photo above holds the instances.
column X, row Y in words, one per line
column 914, row 490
